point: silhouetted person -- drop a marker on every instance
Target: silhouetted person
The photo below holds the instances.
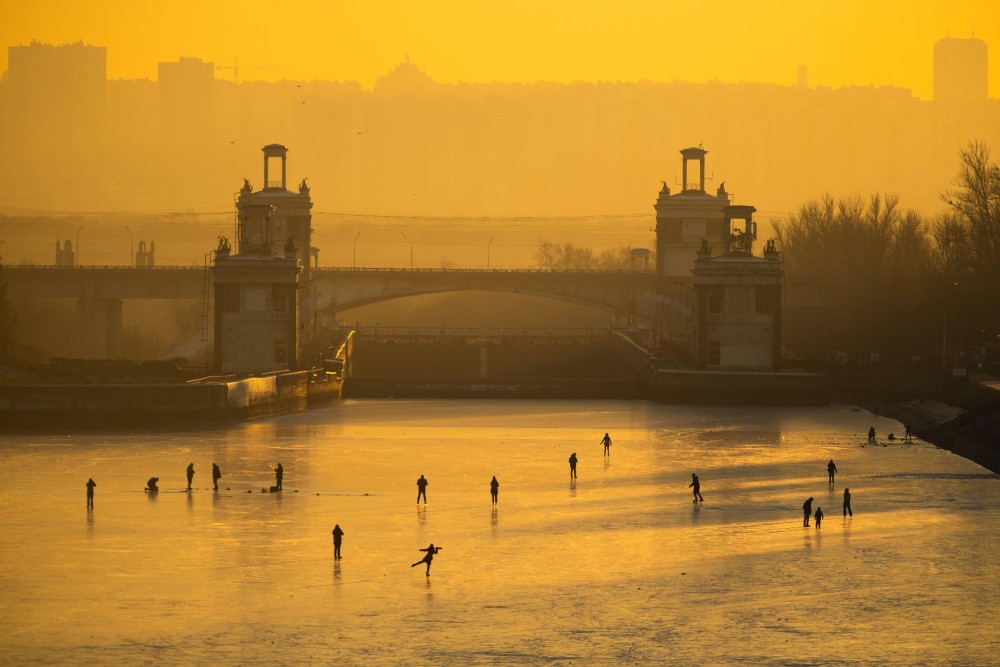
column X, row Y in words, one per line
column 494, row 489
column 90, row 492
column 892, row 436
column 190, row 474
column 607, row 444
column 572, row 465
column 847, row 502
column 907, row 435
column 807, row 508
column 871, row 434
column 831, row 470
column 151, row 484
column 279, row 472
column 216, row 476
column 431, row 550
column 695, row 485
column 819, row 516
column 422, row 489
column 338, row 537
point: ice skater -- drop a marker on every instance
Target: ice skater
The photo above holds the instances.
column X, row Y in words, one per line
column 216, row 476
column 494, row 489
column 695, row 486
column 431, row 550
column 422, row 489
column 807, row 508
column 847, row 503
column 871, row 434
column 819, row 517
column 151, row 485
column 279, row 473
column 572, row 465
column 90, row 493
column 907, row 434
column 831, row 470
column 338, row 537
column 190, row 474
column 606, row 441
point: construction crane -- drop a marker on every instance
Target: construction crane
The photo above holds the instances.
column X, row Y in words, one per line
column 235, row 68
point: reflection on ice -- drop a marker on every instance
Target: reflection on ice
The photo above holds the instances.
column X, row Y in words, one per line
column 615, row 566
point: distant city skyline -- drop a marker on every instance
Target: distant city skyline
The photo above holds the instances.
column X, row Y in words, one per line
column 839, row 44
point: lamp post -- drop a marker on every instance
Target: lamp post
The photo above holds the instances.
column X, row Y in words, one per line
column 131, row 247
column 411, row 248
column 944, row 329
column 76, row 250
column 354, row 261
column 488, row 245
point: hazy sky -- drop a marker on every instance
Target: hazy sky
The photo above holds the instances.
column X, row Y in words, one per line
column 841, row 42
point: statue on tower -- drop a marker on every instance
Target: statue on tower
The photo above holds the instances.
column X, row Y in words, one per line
column 664, row 190
column 246, row 186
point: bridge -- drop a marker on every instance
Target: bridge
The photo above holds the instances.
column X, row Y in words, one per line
column 100, row 291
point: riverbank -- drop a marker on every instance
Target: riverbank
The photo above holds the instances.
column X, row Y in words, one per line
column 963, row 417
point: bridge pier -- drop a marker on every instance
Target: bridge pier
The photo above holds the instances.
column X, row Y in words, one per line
column 99, row 328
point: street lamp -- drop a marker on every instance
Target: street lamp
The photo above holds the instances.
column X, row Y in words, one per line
column 411, row 248
column 354, row 261
column 131, row 247
column 76, row 250
column 944, row 329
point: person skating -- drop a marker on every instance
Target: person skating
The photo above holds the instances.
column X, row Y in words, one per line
column 216, row 476
column 807, row 507
column 431, row 551
column 695, row 485
column 279, row 473
column 847, row 503
column 831, row 470
column 572, row 465
column 818, row 516
column 90, row 493
column 606, row 441
column 494, row 489
column 190, row 474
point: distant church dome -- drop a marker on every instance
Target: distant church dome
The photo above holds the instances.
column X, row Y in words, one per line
column 405, row 79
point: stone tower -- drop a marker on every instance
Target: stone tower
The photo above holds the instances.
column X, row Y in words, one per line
column 260, row 284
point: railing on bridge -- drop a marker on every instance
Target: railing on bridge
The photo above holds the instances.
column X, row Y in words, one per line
column 427, row 334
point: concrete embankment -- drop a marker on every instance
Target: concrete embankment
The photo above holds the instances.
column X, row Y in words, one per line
column 207, row 400
column 962, row 416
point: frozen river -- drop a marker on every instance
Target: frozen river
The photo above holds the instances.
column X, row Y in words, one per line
column 619, row 567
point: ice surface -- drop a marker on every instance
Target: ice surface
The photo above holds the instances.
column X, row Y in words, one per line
column 618, row 568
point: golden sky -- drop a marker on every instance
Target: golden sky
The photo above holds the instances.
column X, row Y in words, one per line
column 845, row 42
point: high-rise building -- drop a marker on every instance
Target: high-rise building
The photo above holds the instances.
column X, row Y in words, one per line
column 54, row 120
column 960, row 67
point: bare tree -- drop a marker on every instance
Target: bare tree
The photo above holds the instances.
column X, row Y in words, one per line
column 569, row 257
column 870, row 257
column 975, row 228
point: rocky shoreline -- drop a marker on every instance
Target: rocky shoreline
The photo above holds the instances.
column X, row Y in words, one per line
column 963, row 418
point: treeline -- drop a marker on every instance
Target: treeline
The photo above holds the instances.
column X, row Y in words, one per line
column 895, row 282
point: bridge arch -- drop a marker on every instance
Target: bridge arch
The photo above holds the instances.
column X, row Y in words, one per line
column 614, row 292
